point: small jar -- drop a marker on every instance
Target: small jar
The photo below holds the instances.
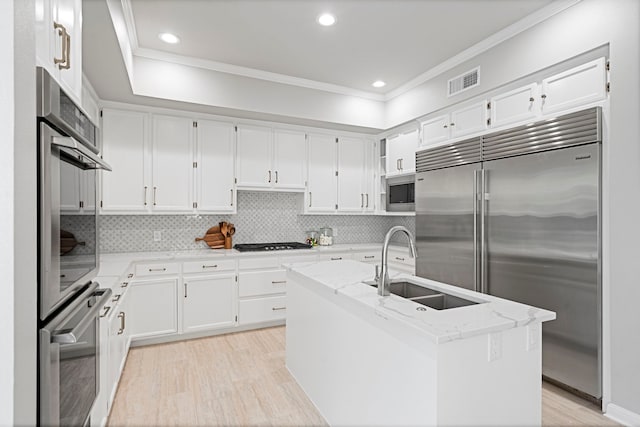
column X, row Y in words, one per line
column 312, row 238
column 326, row 236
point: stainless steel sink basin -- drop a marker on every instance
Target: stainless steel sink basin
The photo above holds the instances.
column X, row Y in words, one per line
column 425, row 296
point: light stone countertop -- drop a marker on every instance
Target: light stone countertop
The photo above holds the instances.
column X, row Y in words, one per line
column 342, row 282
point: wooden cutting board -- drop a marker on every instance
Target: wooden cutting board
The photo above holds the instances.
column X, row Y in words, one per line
column 213, row 237
column 68, row 242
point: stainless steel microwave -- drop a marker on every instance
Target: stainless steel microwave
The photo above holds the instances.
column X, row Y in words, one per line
column 401, row 194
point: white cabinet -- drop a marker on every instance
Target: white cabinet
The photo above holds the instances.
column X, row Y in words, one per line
column 215, row 171
column 577, row 86
column 59, row 42
column 118, row 331
column 322, row 179
column 465, row 120
column 401, row 153
column 172, row 165
column 435, row 130
column 208, row 302
column 334, row 256
column 514, row 106
column 154, row 307
column 261, row 287
column 271, row 159
column 124, row 144
column 354, row 184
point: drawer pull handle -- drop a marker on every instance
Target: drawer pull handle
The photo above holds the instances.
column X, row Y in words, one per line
column 116, row 298
column 130, row 276
column 210, row 266
column 338, row 258
column 158, row 269
column 106, row 310
column 124, row 284
column 369, row 256
column 276, row 282
column 121, row 316
column 399, row 259
column 278, row 308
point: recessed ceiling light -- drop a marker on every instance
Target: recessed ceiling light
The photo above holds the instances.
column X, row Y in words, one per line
column 169, row 38
column 378, row 83
column 326, row 19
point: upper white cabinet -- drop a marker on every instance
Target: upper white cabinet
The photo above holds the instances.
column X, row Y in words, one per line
column 59, row 42
column 471, row 118
column 577, row 86
column 124, row 144
column 271, row 159
column 354, row 184
column 401, row 153
column 515, row 105
column 322, row 175
column 172, row 164
column 215, row 149
column 435, row 130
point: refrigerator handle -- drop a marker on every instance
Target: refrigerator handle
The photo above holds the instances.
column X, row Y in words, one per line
column 476, row 197
column 484, row 214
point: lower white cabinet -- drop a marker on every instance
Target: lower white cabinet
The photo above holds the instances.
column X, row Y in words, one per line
column 335, row 256
column 265, row 309
column 154, row 307
column 118, row 347
column 208, row 302
column 401, row 261
column 370, row 257
column 262, row 293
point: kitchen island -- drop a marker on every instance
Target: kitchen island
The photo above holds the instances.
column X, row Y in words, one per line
column 364, row 359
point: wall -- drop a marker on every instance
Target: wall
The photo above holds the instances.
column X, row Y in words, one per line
column 585, row 27
column 261, row 217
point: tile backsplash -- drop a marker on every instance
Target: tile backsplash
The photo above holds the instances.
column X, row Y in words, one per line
column 261, row 217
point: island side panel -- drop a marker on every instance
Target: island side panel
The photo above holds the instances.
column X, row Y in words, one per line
column 353, row 371
column 492, row 379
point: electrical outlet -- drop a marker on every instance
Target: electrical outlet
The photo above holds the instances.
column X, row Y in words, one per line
column 495, row 346
column 157, row 235
column 533, row 336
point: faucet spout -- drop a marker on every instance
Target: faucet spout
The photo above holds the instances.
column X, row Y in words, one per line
column 383, row 280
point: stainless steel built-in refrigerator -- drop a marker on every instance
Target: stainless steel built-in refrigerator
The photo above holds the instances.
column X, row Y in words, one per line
column 516, row 214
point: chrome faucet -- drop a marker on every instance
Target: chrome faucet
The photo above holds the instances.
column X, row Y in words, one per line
column 383, row 280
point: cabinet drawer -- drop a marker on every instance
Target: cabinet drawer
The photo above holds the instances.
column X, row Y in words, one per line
column 402, row 258
column 157, row 268
column 253, row 263
column 298, row 258
column 371, row 256
column 208, row 266
column 258, row 310
column 262, row 283
column 334, row 257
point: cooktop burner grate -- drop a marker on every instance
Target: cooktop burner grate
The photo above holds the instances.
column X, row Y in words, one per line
column 278, row 246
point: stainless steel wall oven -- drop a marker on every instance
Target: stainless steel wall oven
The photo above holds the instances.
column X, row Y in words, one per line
column 68, row 299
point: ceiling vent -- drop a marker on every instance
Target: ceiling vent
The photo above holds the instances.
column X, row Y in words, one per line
column 463, row 82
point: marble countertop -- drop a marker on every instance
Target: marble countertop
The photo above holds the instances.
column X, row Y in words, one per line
column 343, row 281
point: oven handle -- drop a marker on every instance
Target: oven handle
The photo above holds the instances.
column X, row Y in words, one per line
column 66, row 336
column 69, row 142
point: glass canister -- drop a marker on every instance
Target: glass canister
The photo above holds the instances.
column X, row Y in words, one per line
column 326, row 236
column 312, row 237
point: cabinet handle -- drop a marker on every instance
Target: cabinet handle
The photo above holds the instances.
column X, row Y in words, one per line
column 278, row 308
column 124, row 284
column 158, row 269
column 116, row 298
column 130, row 275
column 63, row 63
column 310, row 199
column 452, row 124
column 398, row 164
column 543, row 96
column 210, row 266
column 336, row 258
column 445, row 126
column 67, row 63
column 369, row 256
column 232, row 197
column 367, row 204
column 361, row 200
column 185, row 290
column 121, row 316
column 399, row 258
column 106, row 311
column 276, row 177
column 269, row 176
column 531, row 99
column 145, row 195
column 276, row 282
column 154, row 195
column 401, row 166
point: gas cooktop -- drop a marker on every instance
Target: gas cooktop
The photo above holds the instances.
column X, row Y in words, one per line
column 279, row 246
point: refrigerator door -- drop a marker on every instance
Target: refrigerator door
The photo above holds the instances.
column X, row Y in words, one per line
column 446, row 220
column 541, row 228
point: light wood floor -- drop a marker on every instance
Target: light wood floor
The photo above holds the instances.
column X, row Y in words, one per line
column 241, row 380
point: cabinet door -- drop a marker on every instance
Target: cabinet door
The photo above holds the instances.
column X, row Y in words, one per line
column 215, row 171
column 321, row 196
column 124, row 135
column 514, row 106
column 469, row 119
column 369, row 179
column 116, row 352
column 153, row 307
column 254, row 157
column 208, row 302
column 172, row 170
column 394, row 154
column 351, row 170
column 435, row 130
column 45, row 35
column 289, row 159
column 68, row 13
column 577, row 86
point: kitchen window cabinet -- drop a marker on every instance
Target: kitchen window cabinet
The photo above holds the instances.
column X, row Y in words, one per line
column 514, row 106
column 208, row 302
column 215, row 170
column 271, row 159
column 154, row 307
column 401, row 153
column 59, row 43
column 322, row 180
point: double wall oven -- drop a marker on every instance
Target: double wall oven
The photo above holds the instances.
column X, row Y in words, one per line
column 69, row 300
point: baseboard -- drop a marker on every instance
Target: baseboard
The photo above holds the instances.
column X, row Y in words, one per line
column 622, row 416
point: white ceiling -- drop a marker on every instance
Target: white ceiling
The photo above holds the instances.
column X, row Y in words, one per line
column 391, row 40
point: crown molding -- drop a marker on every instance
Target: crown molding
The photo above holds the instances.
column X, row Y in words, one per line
column 130, row 24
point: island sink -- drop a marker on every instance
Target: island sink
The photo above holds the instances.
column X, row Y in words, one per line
column 429, row 297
